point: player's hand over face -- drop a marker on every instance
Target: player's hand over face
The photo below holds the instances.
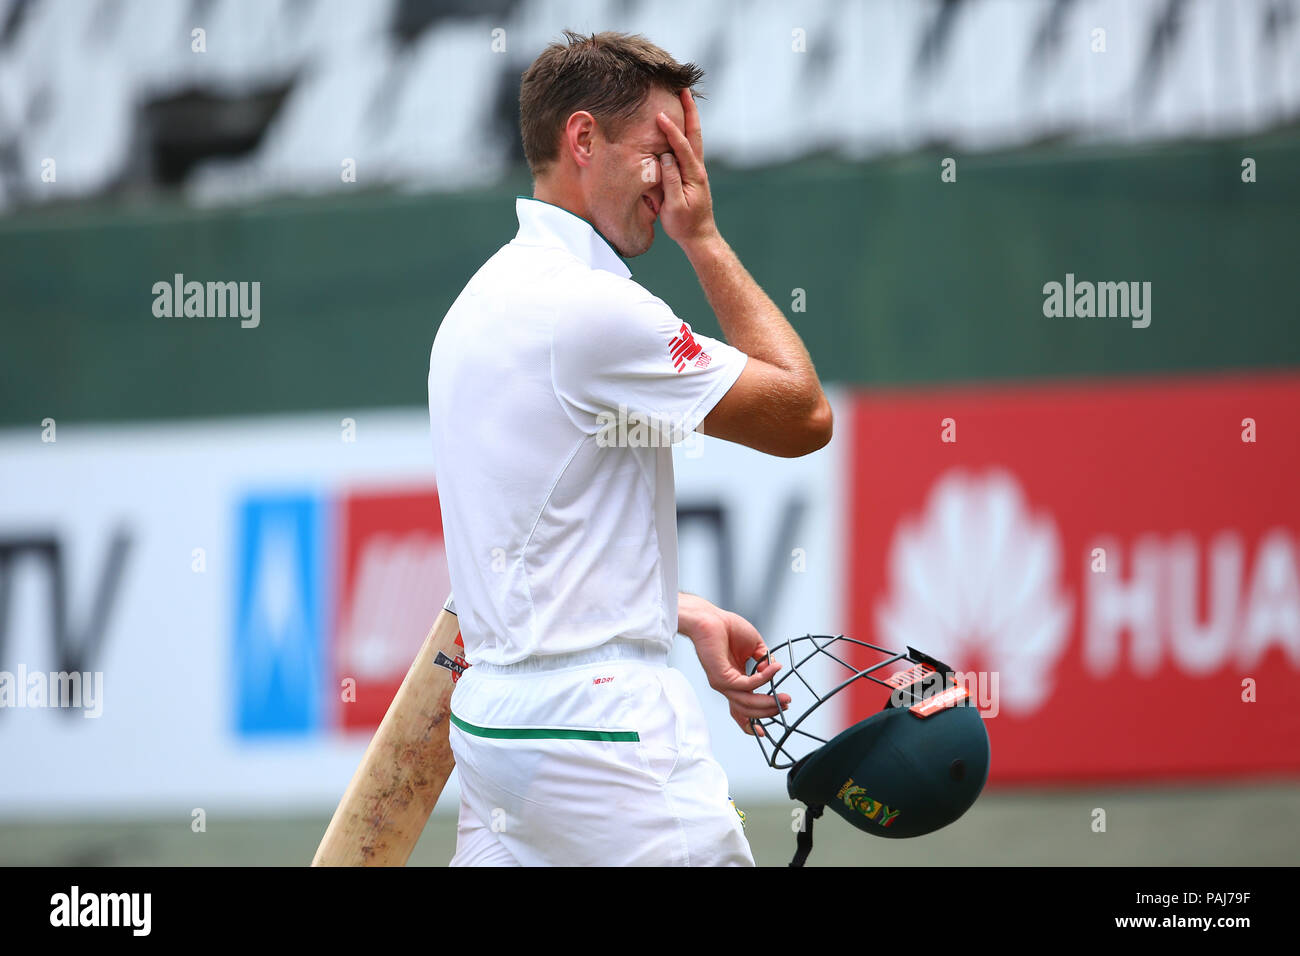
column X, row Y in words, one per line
column 725, row 643
column 687, row 213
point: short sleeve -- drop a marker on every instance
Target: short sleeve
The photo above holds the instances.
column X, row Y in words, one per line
column 627, row 353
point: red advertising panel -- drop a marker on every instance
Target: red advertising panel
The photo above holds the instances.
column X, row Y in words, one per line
column 393, row 582
column 1112, row 567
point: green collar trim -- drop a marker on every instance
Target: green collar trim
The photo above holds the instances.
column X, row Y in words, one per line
column 546, row 733
column 576, row 216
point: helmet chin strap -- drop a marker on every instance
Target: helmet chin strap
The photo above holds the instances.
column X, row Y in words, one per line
column 804, row 842
column 804, row 839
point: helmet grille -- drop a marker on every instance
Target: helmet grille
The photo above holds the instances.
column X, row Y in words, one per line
column 816, row 667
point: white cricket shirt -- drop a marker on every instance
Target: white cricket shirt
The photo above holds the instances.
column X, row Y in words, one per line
column 560, row 520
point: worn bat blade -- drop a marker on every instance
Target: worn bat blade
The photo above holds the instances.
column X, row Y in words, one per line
column 385, row 807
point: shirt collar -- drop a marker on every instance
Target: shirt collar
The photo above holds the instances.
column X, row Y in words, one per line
column 545, row 224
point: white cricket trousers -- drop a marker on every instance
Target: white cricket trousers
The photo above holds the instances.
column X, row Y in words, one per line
column 594, row 759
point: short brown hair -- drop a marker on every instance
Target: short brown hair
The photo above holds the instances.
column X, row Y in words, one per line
column 607, row 74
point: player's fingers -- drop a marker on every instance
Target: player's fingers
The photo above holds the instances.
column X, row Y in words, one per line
column 752, row 705
column 691, row 166
column 749, row 725
column 745, row 683
column 757, row 705
column 754, row 715
column 674, row 195
column 782, row 699
column 691, row 117
column 767, row 666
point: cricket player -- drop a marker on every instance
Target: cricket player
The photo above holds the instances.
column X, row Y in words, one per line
column 556, row 386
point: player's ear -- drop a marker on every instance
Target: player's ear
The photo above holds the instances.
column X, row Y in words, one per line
column 580, row 137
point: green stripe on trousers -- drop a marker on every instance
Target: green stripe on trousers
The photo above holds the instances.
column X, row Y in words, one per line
column 545, row 733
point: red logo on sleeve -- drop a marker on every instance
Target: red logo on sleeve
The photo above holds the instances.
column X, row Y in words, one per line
column 683, row 348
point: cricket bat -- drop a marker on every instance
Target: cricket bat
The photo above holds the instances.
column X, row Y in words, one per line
column 385, row 807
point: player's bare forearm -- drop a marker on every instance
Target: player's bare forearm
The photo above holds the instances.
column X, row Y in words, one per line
column 750, row 320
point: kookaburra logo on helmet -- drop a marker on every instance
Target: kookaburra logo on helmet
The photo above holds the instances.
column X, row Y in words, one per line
column 913, row 767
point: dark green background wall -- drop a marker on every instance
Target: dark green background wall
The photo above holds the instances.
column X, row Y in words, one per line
column 908, row 280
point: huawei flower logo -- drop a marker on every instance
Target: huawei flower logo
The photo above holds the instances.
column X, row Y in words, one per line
column 977, row 577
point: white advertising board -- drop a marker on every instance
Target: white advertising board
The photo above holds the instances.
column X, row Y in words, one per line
column 212, row 582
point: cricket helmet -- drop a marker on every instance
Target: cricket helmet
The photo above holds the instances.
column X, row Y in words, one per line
column 913, row 767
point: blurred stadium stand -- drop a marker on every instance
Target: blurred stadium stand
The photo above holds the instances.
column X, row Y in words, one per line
column 285, row 89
